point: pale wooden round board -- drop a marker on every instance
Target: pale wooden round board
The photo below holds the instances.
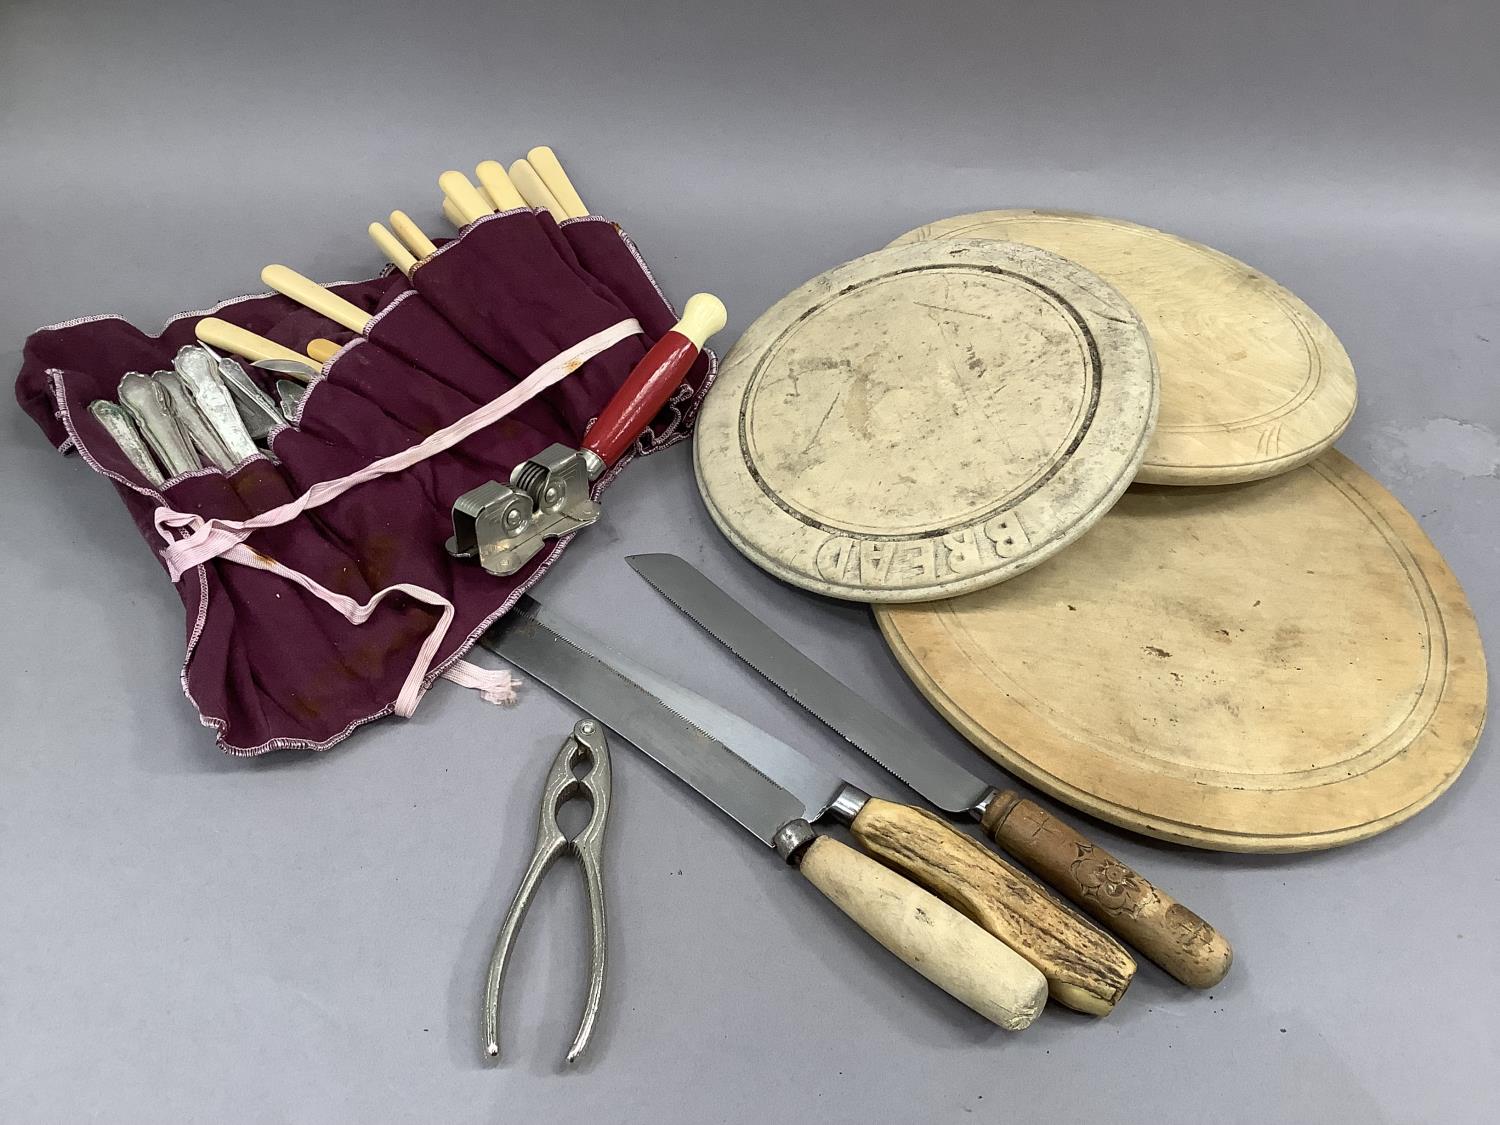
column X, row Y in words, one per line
column 926, row 420
column 1253, row 383
column 1279, row 666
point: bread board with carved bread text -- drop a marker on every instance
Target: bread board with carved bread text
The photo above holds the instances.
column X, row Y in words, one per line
column 926, row 420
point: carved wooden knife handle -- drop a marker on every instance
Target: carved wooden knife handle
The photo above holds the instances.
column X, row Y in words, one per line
column 1085, row 968
column 1158, row 925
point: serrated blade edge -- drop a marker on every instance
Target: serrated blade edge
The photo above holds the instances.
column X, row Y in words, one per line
column 889, row 742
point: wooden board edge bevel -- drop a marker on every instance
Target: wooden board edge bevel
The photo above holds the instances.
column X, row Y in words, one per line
column 1131, row 820
column 780, row 571
column 1211, row 475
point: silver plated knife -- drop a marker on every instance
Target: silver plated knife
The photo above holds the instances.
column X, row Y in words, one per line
column 778, row 807
column 256, row 409
column 198, row 369
column 120, row 425
column 1117, row 897
column 148, row 406
column 195, row 425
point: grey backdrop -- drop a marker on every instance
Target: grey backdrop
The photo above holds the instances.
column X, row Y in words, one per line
column 303, row 938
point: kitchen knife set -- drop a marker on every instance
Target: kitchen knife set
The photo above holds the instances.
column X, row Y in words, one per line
column 956, row 912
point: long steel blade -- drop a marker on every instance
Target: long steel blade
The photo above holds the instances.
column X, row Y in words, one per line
column 580, row 668
column 891, row 743
column 788, row 768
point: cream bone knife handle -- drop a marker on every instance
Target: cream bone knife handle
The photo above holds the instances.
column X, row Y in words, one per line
column 392, row 247
column 413, row 237
column 1086, row 969
column 1163, row 929
column 320, row 351
column 459, row 190
column 653, row 380
column 934, row 939
column 535, row 191
column 218, row 333
column 546, row 165
column 492, row 177
column 289, row 283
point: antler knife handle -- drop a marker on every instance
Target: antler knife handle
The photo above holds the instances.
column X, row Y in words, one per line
column 1162, row 928
column 1086, row 969
column 934, row 939
column 659, row 373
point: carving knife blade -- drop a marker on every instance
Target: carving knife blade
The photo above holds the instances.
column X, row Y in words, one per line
column 582, row 669
column 1165, row 931
column 930, row 936
column 849, row 715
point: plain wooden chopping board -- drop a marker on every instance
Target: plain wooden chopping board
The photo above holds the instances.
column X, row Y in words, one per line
column 1279, row 666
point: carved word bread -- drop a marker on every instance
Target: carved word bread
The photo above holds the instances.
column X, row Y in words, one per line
column 926, row 420
column 1253, row 383
column 1278, row 666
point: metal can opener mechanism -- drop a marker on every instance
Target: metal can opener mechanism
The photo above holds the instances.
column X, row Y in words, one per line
column 504, row 526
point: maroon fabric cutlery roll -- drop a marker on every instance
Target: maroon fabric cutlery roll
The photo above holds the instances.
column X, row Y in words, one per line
column 269, row 665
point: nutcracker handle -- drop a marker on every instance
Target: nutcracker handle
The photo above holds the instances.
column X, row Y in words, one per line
column 654, row 379
column 1158, row 925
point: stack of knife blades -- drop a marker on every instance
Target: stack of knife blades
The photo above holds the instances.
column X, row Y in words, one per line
column 1117, row 897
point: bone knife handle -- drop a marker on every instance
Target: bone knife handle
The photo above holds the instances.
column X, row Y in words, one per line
column 935, row 940
column 1086, row 969
column 218, row 333
column 1159, row 926
column 319, row 298
column 651, row 383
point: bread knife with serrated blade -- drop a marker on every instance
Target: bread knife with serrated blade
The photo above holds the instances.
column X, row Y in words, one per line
column 778, row 808
column 1122, row 901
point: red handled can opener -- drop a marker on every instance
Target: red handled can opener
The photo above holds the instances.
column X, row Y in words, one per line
column 505, row 525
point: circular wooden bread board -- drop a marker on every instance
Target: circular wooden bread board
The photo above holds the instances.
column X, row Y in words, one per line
column 1279, row 666
column 1253, row 383
column 926, row 420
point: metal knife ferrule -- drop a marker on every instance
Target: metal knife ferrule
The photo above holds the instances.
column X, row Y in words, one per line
column 847, row 804
column 982, row 806
column 792, row 840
